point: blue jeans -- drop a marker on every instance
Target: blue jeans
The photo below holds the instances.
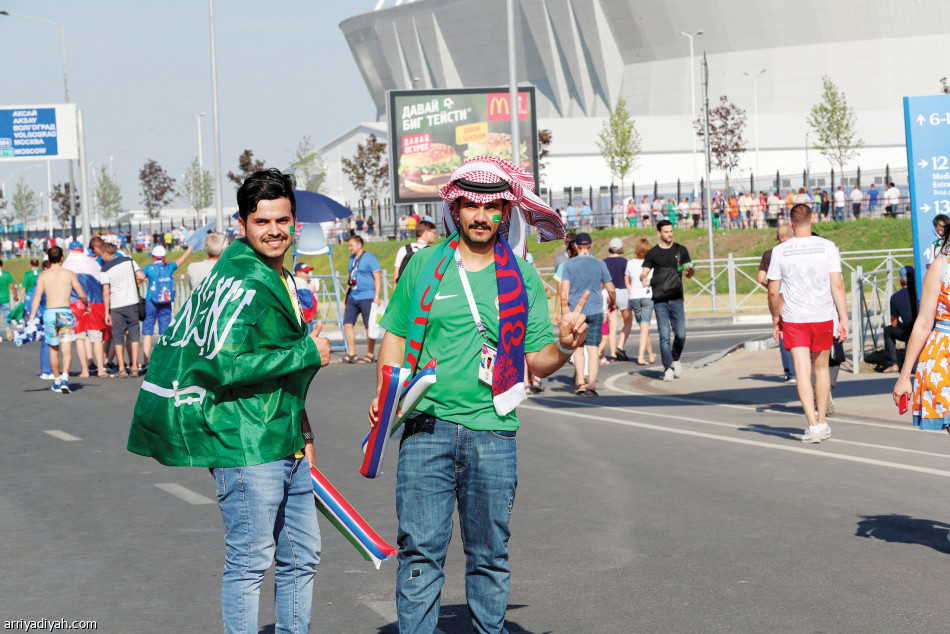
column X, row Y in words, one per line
column 4, row 312
column 45, row 367
column 670, row 313
column 441, row 464
column 787, row 365
column 268, row 509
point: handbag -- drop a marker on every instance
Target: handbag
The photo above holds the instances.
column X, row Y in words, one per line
column 138, row 293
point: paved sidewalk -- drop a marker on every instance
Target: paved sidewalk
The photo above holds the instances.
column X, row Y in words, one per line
column 756, row 378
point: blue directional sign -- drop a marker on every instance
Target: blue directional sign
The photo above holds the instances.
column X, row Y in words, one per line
column 28, row 132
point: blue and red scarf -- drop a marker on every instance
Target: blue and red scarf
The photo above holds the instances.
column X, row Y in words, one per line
column 508, row 372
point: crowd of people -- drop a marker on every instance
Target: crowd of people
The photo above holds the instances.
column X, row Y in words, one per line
column 741, row 210
column 90, row 295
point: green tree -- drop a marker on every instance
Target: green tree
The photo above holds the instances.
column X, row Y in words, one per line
column 835, row 125
column 25, row 202
column 60, row 198
column 368, row 170
column 158, row 189
column 726, row 143
column 308, row 166
column 247, row 165
column 108, row 195
column 197, row 186
column 619, row 142
column 544, row 150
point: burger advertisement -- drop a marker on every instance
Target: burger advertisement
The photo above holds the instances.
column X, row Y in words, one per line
column 433, row 131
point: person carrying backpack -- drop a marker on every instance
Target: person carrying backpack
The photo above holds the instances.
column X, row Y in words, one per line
column 425, row 236
column 161, row 294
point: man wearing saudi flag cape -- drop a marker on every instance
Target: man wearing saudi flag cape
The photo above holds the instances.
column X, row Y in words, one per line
column 225, row 390
column 473, row 304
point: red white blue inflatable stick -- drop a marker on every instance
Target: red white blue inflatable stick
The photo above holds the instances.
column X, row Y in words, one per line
column 394, row 378
column 336, row 509
column 390, row 428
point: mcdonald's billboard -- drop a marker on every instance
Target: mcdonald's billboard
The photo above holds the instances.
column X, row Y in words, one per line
column 432, row 131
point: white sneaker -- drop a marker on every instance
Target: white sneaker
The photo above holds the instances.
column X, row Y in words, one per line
column 668, row 375
column 831, row 406
column 824, row 431
column 812, row 435
column 47, row 377
column 677, row 368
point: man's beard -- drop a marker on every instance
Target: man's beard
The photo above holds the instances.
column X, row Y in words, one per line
column 473, row 239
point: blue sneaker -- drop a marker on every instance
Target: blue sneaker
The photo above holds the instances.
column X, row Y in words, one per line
column 64, row 386
column 56, row 387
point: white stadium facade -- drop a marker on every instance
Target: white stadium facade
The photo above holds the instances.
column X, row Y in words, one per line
column 766, row 56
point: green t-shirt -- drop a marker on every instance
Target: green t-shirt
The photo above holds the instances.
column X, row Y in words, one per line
column 29, row 280
column 5, row 280
column 452, row 338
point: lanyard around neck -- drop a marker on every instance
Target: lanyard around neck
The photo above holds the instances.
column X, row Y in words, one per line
column 471, row 298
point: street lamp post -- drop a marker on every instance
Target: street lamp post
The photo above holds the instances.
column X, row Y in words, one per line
column 692, row 92
column 218, row 194
column 62, row 32
column 755, row 111
column 707, row 194
column 513, row 108
column 198, row 116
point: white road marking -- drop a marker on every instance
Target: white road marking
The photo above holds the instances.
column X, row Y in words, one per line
column 387, row 610
column 182, row 493
column 55, row 433
column 611, row 384
column 745, row 441
column 766, row 431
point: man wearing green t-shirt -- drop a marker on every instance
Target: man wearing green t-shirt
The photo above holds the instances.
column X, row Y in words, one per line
column 450, row 305
column 7, row 296
column 29, row 278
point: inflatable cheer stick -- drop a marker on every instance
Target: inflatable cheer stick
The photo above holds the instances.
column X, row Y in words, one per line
column 336, row 509
column 390, row 428
column 394, row 378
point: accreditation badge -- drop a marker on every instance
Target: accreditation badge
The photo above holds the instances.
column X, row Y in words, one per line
column 487, row 364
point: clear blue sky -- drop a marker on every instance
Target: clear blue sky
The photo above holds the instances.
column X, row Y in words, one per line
column 140, row 71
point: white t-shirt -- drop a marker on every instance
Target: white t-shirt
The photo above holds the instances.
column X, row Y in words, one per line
column 892, row 196
column 804, row 266
column 839, row 198
column 637, row 291
column 856, row 196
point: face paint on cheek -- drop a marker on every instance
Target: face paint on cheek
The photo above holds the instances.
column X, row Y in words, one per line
column 496, row 218
column 291, row 234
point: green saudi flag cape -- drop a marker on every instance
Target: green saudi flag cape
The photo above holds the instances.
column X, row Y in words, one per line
column 227, row 380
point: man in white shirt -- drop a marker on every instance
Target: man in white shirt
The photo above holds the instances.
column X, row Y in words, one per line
column 838, row 213
column 892, row 200
column 805, row 290
column 425, row 236
column 856, row 199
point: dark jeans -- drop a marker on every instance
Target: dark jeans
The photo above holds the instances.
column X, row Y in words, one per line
column 787, row 365
column 893, row 334
column 670, row 315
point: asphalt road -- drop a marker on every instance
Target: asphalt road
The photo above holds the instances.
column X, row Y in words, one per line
column 635, row 513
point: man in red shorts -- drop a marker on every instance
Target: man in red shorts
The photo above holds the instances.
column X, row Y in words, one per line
column 805, row 290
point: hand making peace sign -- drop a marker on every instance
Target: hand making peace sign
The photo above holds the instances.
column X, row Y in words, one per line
column 573, row 327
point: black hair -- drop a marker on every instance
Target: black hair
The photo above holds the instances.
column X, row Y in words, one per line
column 944, row 235
column 269, row 184
column 55, row 254
column 663, row 223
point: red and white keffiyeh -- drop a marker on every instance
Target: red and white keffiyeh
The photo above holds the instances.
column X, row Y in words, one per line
column 528, row 208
